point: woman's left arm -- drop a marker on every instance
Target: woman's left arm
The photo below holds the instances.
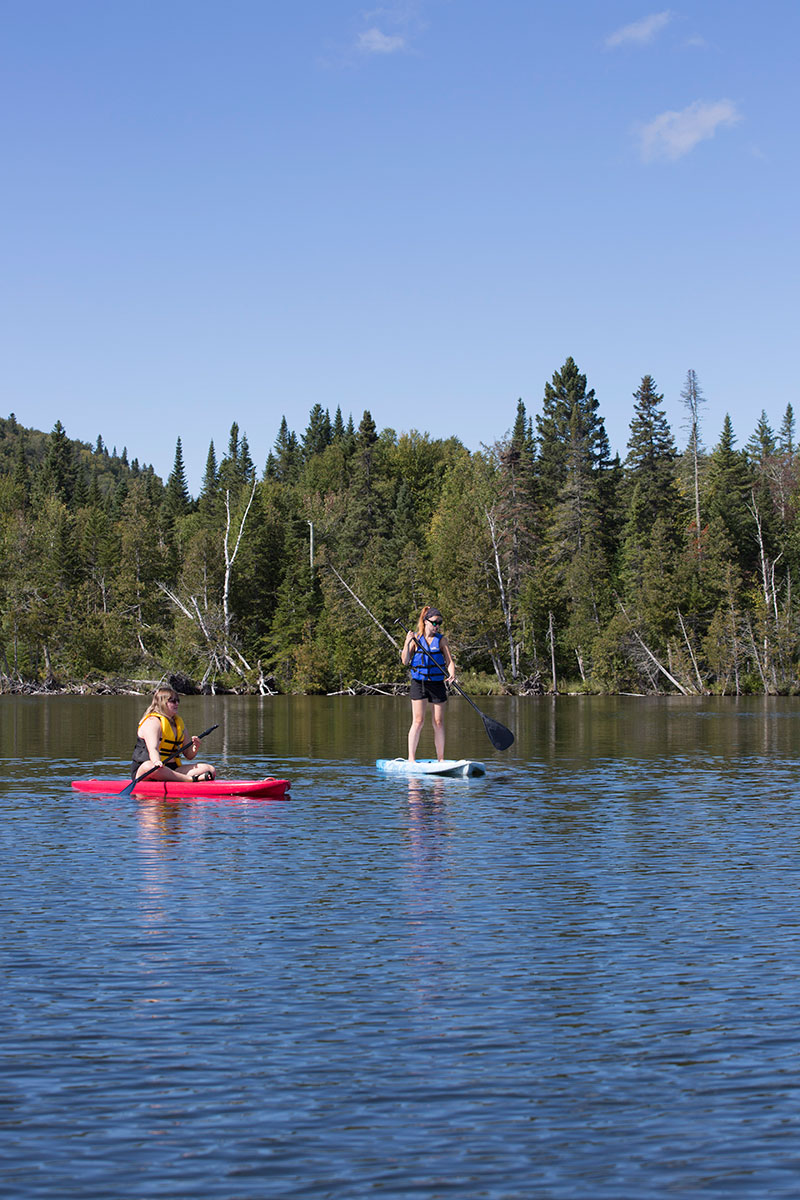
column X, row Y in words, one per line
column 448, row 658
column 191, row 750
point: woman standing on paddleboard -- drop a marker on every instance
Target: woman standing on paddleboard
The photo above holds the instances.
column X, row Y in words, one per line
column 162, row 735
column 427, row 653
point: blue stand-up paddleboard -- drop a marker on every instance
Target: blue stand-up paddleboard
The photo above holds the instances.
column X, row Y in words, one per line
column 431, row 766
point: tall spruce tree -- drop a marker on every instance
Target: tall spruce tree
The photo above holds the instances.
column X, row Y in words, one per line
column 337, row 428
column 209, row 490
column 761, row 444
column 318, row 434
column 286, row 459
column 728, row 490
column 578, row 509
column 569, row 420
column 177, row 501
column 236, row 468
column 58, row 475
column 652, row 481
column 786, row 436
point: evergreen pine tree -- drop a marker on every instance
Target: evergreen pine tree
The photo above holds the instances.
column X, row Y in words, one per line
column 367, row 431
column 728, row 488
column 650, row 462
column 58, row 474
column 246, row 464
column 519, row 434
column 209, row 490
column 569, row 419
column 287, row 454
column 95, row 499
column 318, row 435
column 233, row 443
column 786, row 435
column 236, row 468
column 761, row 445
column 177, row 501
column 21, row 477
column 80, row 495
column 337, row 429
column 578, row 508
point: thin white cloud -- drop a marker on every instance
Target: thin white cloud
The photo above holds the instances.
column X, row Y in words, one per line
column 640, row 33
column 673, row 134
column 373, row 41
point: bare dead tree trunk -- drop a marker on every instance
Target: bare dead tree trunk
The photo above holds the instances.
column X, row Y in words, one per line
column 692, row 397
column 768, row 585
column 700, row 684
column 361, row 603
column 230, row 558
column 504, row 603
column 49, row 675
column 685, row 691
column 756, row 657
column 734, row 636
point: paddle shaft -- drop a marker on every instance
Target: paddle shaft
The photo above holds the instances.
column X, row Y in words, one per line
column 129, row 789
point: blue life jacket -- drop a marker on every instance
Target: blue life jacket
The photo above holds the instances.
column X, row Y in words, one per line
column 422, row 666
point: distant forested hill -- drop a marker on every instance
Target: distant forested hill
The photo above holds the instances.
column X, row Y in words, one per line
column 557, row 565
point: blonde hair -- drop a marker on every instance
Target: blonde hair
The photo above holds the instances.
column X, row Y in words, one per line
column 158, row 704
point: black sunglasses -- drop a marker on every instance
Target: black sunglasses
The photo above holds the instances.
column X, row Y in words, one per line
column 430, row 622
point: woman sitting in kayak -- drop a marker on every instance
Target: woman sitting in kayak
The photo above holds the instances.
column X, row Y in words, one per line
column 428, row 655
column 162, row 736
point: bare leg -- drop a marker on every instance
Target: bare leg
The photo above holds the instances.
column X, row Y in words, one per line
column 169, row 773
column 438, row 729
column 196, row 769
column 417, row 717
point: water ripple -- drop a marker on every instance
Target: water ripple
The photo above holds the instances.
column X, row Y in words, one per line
column 577, row 975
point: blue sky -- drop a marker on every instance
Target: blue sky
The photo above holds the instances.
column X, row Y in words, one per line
column 232, row 211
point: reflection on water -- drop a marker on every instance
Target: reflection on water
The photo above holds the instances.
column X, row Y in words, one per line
column 577, row 975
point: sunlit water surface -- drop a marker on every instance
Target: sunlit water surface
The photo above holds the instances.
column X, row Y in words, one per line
column 574, row 977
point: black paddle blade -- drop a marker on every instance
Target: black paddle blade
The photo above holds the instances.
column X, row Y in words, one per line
column 500, row 737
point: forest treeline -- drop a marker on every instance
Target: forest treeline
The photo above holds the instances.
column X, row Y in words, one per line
column 557, row 565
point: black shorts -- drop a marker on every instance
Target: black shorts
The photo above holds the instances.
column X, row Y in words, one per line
column 429, row 689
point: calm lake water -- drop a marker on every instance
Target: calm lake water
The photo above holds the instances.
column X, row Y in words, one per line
column 578, row 976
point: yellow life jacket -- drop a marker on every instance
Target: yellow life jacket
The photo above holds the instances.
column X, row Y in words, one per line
column 171, row 742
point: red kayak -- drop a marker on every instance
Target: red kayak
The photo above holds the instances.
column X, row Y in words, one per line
column 213, row 789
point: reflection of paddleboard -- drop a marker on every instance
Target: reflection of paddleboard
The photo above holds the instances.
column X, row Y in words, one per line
column 430, row 766
column 215, row 789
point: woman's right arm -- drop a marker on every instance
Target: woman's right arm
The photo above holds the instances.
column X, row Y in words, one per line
column 407, row 652
column 150, row 733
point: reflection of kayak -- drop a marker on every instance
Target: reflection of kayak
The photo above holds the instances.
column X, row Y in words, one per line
column 213, row 789
column 430, row 766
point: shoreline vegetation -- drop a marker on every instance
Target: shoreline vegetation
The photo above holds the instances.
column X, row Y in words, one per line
column 144, row 687
column 560, row 568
